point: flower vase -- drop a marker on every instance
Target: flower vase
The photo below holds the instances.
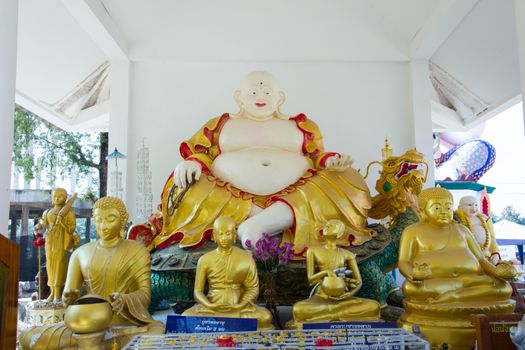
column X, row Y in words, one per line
column 269, row 299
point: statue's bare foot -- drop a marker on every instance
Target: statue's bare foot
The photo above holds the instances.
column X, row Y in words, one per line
column 273, row 219
column 248, row 231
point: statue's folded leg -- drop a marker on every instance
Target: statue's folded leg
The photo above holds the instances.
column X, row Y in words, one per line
column 263, row 316
column 50, row 337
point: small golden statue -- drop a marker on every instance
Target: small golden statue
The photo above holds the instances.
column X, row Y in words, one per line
column 447, row 275
column 233, row 284
column 112, row 269
column 335, row 284
column 479, row 225
column 60, row 224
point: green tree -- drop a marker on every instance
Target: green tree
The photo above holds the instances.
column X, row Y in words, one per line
column 42, row 147
column 509, row 213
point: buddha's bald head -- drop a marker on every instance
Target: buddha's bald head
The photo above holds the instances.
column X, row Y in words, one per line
column 224, row 233
column 469, row 205
column 259, row 97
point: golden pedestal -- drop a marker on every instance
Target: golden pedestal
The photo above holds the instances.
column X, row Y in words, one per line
column 449, row 323
column 91, row 341
column 42, row 313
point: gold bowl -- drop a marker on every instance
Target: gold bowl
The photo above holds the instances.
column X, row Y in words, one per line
column 333, row 286
column 89, row 314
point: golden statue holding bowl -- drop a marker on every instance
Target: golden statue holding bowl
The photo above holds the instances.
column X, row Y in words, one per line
column 335, row 284
column 113, row 269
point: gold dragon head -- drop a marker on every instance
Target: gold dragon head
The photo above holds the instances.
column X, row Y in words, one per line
column 400, row 181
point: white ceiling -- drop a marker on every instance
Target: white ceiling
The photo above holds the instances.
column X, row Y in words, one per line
column 477, row 45
column 55, row 55
column 481, row 53
column 292, row 30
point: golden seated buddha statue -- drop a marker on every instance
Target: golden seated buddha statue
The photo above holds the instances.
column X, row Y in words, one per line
column 112, row 268
column 233, row 284
column 336, row 282
column 447, row 275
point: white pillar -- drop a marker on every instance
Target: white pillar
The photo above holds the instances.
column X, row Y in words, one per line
column 519, row 11
column 118, row 121
column 420, row 87
column 8, row 37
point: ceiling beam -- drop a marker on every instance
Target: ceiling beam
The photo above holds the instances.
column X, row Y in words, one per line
column 443, row 21
column 93, row 16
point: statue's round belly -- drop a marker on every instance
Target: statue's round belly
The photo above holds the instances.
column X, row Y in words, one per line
column 260, row 171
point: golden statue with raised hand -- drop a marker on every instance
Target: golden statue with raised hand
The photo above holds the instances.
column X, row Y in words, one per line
column 447, row 275
column 231, row 275
column 268, row 171
column 111, row 268
column 60, row 224
column 479, row 225
column 336, row 281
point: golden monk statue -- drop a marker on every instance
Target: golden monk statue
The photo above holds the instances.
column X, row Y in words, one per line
column 60, row 224
column 479, row 225
column 231, row 275
column 447, row 275
column 336, row 281
column 266, row 170
column 112, row 268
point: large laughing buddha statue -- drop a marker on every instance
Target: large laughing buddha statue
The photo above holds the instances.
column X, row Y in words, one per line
column 268, row 171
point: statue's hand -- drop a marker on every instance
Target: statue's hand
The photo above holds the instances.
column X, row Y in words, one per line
column 421, row 271
column 117, row 302
column 352, row 283
column 230, row 308
column 339, row 162
column 186, row 173
column 70, row 296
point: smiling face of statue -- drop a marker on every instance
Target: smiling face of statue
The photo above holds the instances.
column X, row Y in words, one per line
column 224, row 232
column 333, row 230
column 259, row 96
column 469, row 205
column 108, row 223
column 58, row 196
column 439, row 211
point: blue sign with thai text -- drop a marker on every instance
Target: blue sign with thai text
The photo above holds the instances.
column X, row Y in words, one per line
column 349, row 325
column 194, row 324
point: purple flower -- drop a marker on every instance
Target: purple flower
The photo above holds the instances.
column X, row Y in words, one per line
column 248, row 244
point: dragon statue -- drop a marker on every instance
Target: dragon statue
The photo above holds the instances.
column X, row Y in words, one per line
column 401, row 179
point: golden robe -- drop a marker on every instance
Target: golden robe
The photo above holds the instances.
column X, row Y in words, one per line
column 59, row 240
column 317, row 197
column 232, row 279
column 128, row 273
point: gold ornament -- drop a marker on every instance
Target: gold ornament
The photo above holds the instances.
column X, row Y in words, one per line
column 231, row 276
column 335, row 284
column 447, row 275
column 401, row 180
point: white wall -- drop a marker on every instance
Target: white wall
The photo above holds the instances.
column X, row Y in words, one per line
column 355, row 104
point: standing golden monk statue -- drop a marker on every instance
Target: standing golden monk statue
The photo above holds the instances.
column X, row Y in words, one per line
column 336, row 282
column 111, row 268
column 447, row 275
column 60, row 224
column 231, row 275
